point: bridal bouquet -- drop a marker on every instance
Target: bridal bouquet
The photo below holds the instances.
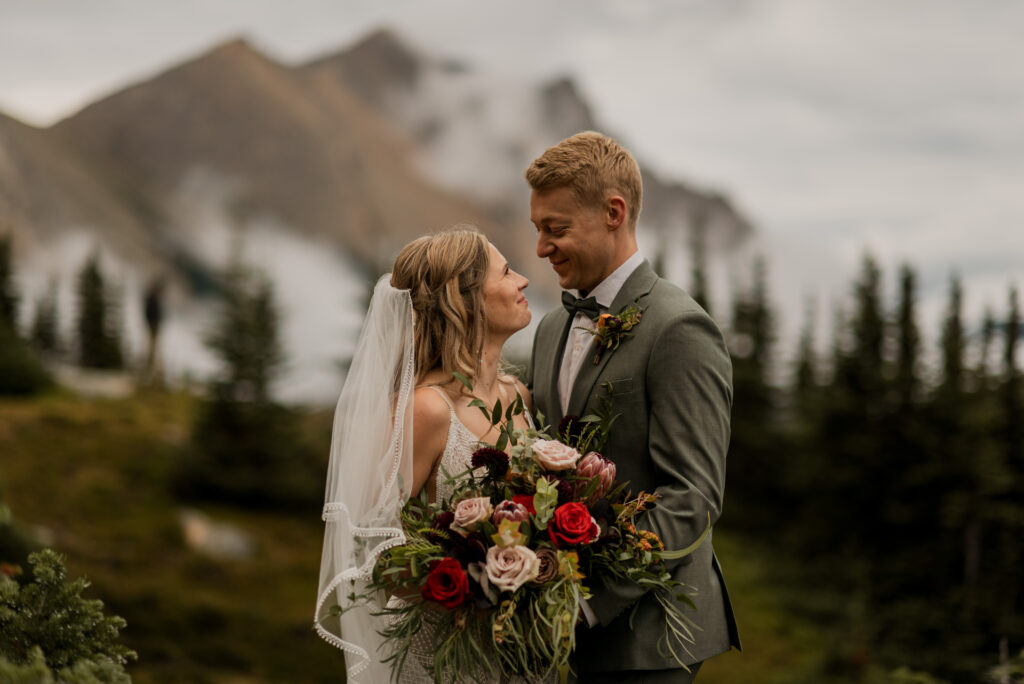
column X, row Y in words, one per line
column 497, row 573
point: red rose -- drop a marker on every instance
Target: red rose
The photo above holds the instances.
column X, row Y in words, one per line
column 572, row 524
column 526, row 500
column 446, row 584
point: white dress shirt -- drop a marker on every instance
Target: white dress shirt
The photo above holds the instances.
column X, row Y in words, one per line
column 577, row 345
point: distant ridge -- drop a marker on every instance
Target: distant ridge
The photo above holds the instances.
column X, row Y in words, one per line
column 311, row 156
column 365, row 147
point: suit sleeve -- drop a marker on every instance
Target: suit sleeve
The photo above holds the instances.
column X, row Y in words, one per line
column 689, row 385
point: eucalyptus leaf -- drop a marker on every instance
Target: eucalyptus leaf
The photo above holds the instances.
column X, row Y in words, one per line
column 685, row 598
column 682, row 553
column 463, row 379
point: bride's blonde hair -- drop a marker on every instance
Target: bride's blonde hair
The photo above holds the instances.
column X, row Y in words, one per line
column 445, row 273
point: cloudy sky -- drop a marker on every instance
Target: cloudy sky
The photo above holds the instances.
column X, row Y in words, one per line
column 836, row 126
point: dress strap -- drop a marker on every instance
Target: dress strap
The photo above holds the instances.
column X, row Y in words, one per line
column 444, row 395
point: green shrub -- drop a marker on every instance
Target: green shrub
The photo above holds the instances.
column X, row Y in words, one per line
column 100, row 670
column 251, row 454
column 47, row 627
column 21, row 373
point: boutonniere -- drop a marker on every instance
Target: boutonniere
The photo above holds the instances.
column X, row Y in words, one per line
column 613, row 328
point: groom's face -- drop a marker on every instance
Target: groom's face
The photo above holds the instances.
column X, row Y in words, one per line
column 572, row 237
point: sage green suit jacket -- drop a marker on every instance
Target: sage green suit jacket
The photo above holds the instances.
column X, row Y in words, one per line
column 672, row 390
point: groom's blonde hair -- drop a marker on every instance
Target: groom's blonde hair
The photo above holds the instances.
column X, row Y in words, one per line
column 594, row 167
column 444, row 274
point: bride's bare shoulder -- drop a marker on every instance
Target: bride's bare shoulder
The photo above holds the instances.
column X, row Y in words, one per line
column 430, row 410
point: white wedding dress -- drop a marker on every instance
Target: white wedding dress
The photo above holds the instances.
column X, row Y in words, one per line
column 369, row 478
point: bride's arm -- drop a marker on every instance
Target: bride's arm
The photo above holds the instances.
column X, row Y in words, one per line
column 430, row 419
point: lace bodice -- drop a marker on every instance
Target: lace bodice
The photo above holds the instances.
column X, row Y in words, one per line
column 458, row 449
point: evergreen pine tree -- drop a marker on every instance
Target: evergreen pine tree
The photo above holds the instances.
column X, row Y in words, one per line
column 869, row 339
column 1009, row 621
column 99, row 344
column 753, row 461
column 1011, row 392
column 698, row 268
column 8, row 294
column 956, row 450
column 953, row 343
column 247, row 449
column 247, row 338
column 907, row 376
column 848, row 464
column 805, row 377
column 20, row 371
column 44, row 332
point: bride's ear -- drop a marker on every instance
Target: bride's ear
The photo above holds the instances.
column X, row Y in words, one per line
column 615, row 212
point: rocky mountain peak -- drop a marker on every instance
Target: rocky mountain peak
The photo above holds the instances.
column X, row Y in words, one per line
column 561, row 102
column 378, row 63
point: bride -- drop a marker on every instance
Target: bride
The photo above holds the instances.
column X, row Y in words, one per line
column 448, row 307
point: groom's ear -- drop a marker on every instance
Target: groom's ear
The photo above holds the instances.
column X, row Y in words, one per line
column 615, row 212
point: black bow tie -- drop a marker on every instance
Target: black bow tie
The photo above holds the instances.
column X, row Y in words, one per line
column 574, row 305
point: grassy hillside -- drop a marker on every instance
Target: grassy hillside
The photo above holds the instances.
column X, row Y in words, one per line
column 92, row 478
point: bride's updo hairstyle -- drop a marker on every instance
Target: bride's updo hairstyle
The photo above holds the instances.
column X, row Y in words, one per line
column 445, row 273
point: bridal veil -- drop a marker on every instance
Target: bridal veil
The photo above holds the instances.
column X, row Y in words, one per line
column 368, row 479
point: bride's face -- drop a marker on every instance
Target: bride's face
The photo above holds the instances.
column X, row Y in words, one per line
column 506, row 308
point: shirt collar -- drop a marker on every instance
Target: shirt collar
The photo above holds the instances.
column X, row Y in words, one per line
column 606, row 291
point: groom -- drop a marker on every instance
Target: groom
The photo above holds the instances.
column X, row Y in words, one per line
column 671, row 382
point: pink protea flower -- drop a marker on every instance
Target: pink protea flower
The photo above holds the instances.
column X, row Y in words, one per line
column 509, row 510
column 591, row 466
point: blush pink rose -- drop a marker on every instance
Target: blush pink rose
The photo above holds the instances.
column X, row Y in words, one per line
column 469, row 513
column 510, row 567
column 553, row 455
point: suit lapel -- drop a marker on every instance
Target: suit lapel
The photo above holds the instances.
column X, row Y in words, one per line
column 637, row 285
column 560, row 326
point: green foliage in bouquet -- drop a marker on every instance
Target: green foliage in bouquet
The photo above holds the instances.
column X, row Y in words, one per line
column 496, row 573
column 48, row 632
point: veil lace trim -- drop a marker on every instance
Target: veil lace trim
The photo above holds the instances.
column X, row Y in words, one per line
column 368, row 479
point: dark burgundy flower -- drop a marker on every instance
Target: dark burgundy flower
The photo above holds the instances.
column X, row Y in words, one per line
column 565, row 490
column 468, row 549
column 494, row 460
column 443, row 520
column 442, row 523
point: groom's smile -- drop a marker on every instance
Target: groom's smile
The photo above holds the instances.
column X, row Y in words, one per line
column 572, row 237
